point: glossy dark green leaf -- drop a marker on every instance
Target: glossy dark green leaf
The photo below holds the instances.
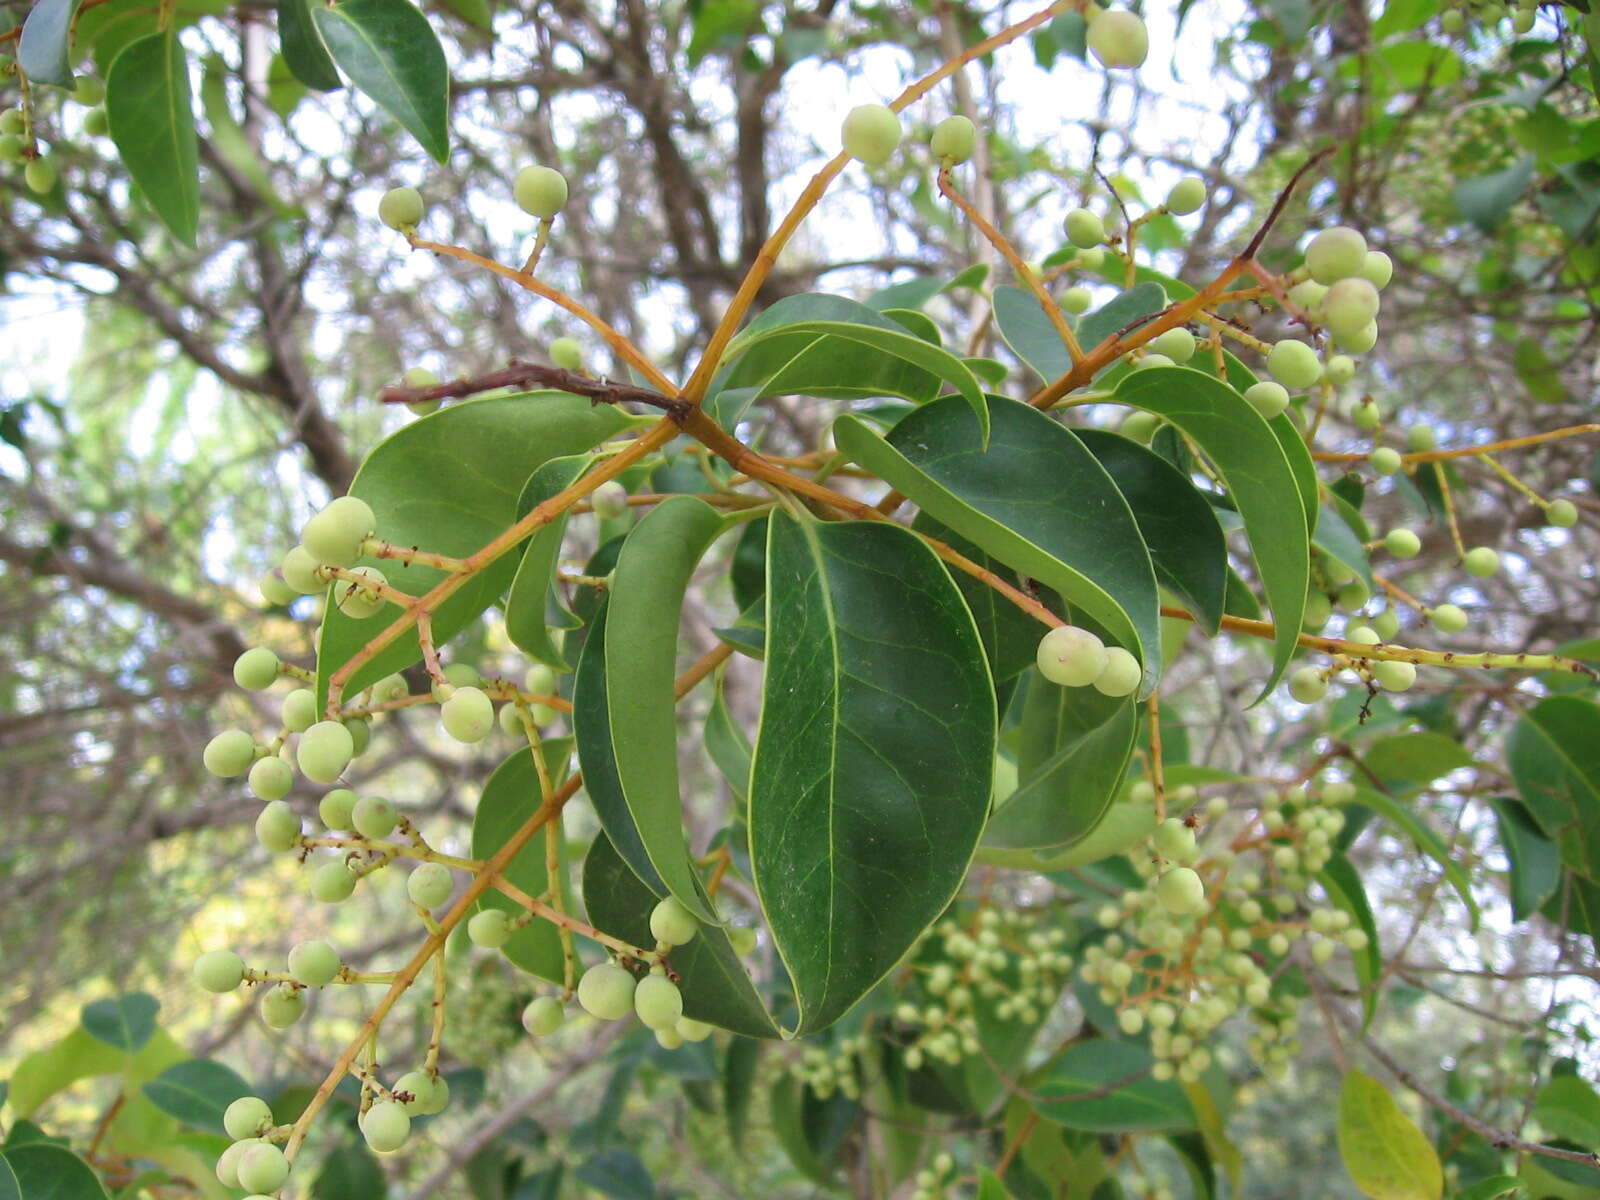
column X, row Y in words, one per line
column 1492, row 1188
column 872, row 768
column 1070, row 1091
column 304, row 52
column 811, row 1129
column 509, row 798
column 716, row 987
column 450, row 483
column 1010, row 636
column 123, row 1022
column 1178, row 526
column 618, row 1174
column 914, row 293
column 1485, row 200
column 532, row 589
column 151, row 115
column 1143, row 299
column 1407, row 762
column 1027, row 329
column 42, row 1171
column 349, row 1172
column 1535, row 859
column 196, row 1092
column 738, row 1084
column 1569, row 1108
column 1386, row 1154
column 1343, row 885
column 1036, row 500
column 44, row 48
column 391, row 53
column 1426, row 841
column 1554, row 755
column 1334, row 537
column 727, row 744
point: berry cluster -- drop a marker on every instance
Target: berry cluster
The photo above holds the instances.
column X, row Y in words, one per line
column 1075, row 657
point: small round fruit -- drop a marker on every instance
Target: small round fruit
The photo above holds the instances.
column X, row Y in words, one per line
column 1181, row 892
column 438, row 1099
column 1377, row 268
column 218, row 971
column 691, row 1030
column 1084, row 228
column 954, row 140
column 1481, row 561
column 420, row 377
column 871, row 132
column 543, row 1016
column 1294, row 364
column 541, row 191
column 1076, row 300
column 271, row 778
column 566, row 353
column 490, row 928
column 247, row 1117
column 468, row 715
column 1177, row 344
column 1186, row 196
column 262, row 1168
column 401, row 209
column 1071, row 657
column 1267, row 398
column 1140, row 426
column 1341, row 368
column 325, row 751
column 430, row 885
column 300, row 571
column 610, row 500
column 1118, row 38
column 275, row 591
column 672, row 923
column 333, row 537
column 1349, row 306
column 1308, row 293
column 13, row 120
column 1386, row 624
column 743, row 939
column 1402, row 543
column 1394, row 676
column 669, row 1039
column 299, row 710
column 606, row 991
column 277, row 827
column 1121, row 675
column 1318, row 609
column 1563, row 514
column 360, row 598
column 337, row 808
column 1361, row 341
column 1175, row 840
column 283, row 1006
column 390, row 688
column 40, row 176
column 658, row 1002
column 1448, row 618
column 332, row 883
column 1365, row 416
column 374, row 817
column 1307, row 685
column 228, row 1161
column 229, row 753
column 256, row 669
column 11, row 147
column 1092, row 258
column 315, row 963
column 360, row 733
column 1153, row 360
column 1385, row 460
column 419, row 1086
column 385, row 1126
column 1336, row 254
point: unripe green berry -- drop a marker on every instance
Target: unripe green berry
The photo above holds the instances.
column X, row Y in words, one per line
column 13, row 120
column 333, row 537
column 543, row 1016
column 1091, row 258
column 1071, row 657
column 691, row 1030
column 468, row 715
column 1177, row 344
column 430, row 885
column 1121, row 675
column 325, row 751
column 1385, row 460
column 1448, row 618
column 1148, row 360
column 1522, row 21
column 566, row 353
column 218, row 971
column 1355, row 939
column 673, row 924
column 669, row 1039
column 39, row 175
column 360, row 734
column 374, row 817
column 271, row 778
column 609, row 500
column 247, row 1117
column 490, row 929
column 1377, row 268
column 299, row 571
column 1175, row 840
column 743, row 939
column 419, row 1086
column 1350, row 306
column 282, row 1007
column 1140, row 426
column 1186, row 196
column 540, row 191
column 385, row 1126
column 1341, row 369
column 1308, row 293
column 256, row 669
column 1563, row 514
column 437, row 1100
column 229, row 753
column 1402, row 543
column 1181, row 892
column 1481, row 561
column 360, row 598
column 1421, row 438
column 88, row 91
column 420, row 377
column 1365, row 415
column 12, row 147
column 337, row 808
column 1318, row 609
column 1387, row 624
column 390, row 688
column 262, row 1168
column 277, row 827
column 1117, row 37
column 871, row 132
column 1294, row 364
column 1083, row 228
column 314, row 963
column 1336, row 254
column 401, row 209
column 1267, row 398
column 606, row 991
column 1307, row 685
column 1130, row 1021
column 299, row 710
column 1394, row 676
column 1076, row 300
column 332, row 883
column 1361, row 341
column 658, row 1002
column 954, row 140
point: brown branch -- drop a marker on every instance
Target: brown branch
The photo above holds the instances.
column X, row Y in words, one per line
column 525, row 374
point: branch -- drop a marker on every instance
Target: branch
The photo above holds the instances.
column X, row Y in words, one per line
column 525, row 374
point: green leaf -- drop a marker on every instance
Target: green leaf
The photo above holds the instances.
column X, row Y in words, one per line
column 727, row 743
column 738, row 1080
column 76, row 1056
column 990, row 1187
column 450, row 483
column 304, row 52
column 716, row 988
column 617, row 1173
column 124, row 1022
column 1143, row 299
column 1491, row 1188
column 1105, row 1087
column 1538, row 374
column 873, row 765
column 1010, row 636
column 1535, row 859
column 1037, row 500
column 1554, row 755
column 533, row 587
column 349, row 1172
column 1334, row 537
column 44, row 48
column 1408, row 762
column 1387, row 1156
column 41, row 1171
column 1486, row 199
column 1428, row 842
column 151, row 115
column 1260, row 479
column 811, row 1129
column 1570, row 1108
column 1343, row 885
column 1026, row 328
column 641, row 654
column 509, row 799
column 391, row 53
column 196, row 1092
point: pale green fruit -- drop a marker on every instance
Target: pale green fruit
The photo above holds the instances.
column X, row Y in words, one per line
column 1394, row 676
column 1361, row 341
column 283, row 1006
column 540, row 191
column 543, row 1016
column 871, row 132
column 40, row 176
column 300, row 571
column 691, row 1030
column 468, row 715
column 390, row 688
column 540, row 680
column 1385, row 460
column 1181, row 892
column 1563, row 514
column 12, row 147
column 1140, row 426
column 1452, row 21
column 1481, row 561
column 218, row 971
column 229, row 753
column 420, row 1086
column 1071, row 657
column 658, row 1002
column 299, row 710
column 1076, row 300
column 314, row 963
column 742, row 938
column 1362, row 635
column 1175, row 840
column 1420, row 438
column 438, row 1099
column 669, row 1039
column 1387, row 624
column 337, row 808
column 1341, row 369
column 360, row 598
column 360, row 734
column 228, row 1161
column 374, row 817
column 1377, row 268
column 1307, row 685
column 1121, row 675
column 1308, row 293
column 1117, row 37
column 566, row 353
column 1153, row 360
column 490, row 929
column 430, row 885
column 1091, row 258
column 1130, row 1021
column 609, row 500
column 1448, row 618
column 1186, row 196
column 277, row 827
column 325, row 751
column 421, row 377
column 332, row 882
column 1522, row 21
column 1402, row 543
column 275, row 591
column 385, row 1126
column 13, row 120
column 510, row 720
column 1267, row 398
column 457, row 674
column 1336, row 254
column 256, row 669
column 1318, row 609
column 333, row 537
column 1083, row 228
column 271, row 778
column 1294, row 364
column 606, row 991
column 673, row 924
column 401, row 208
column 954, row 140
column 247, row 1117
column 1177, row 344
column 1350, row 306
column 1365, row 415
